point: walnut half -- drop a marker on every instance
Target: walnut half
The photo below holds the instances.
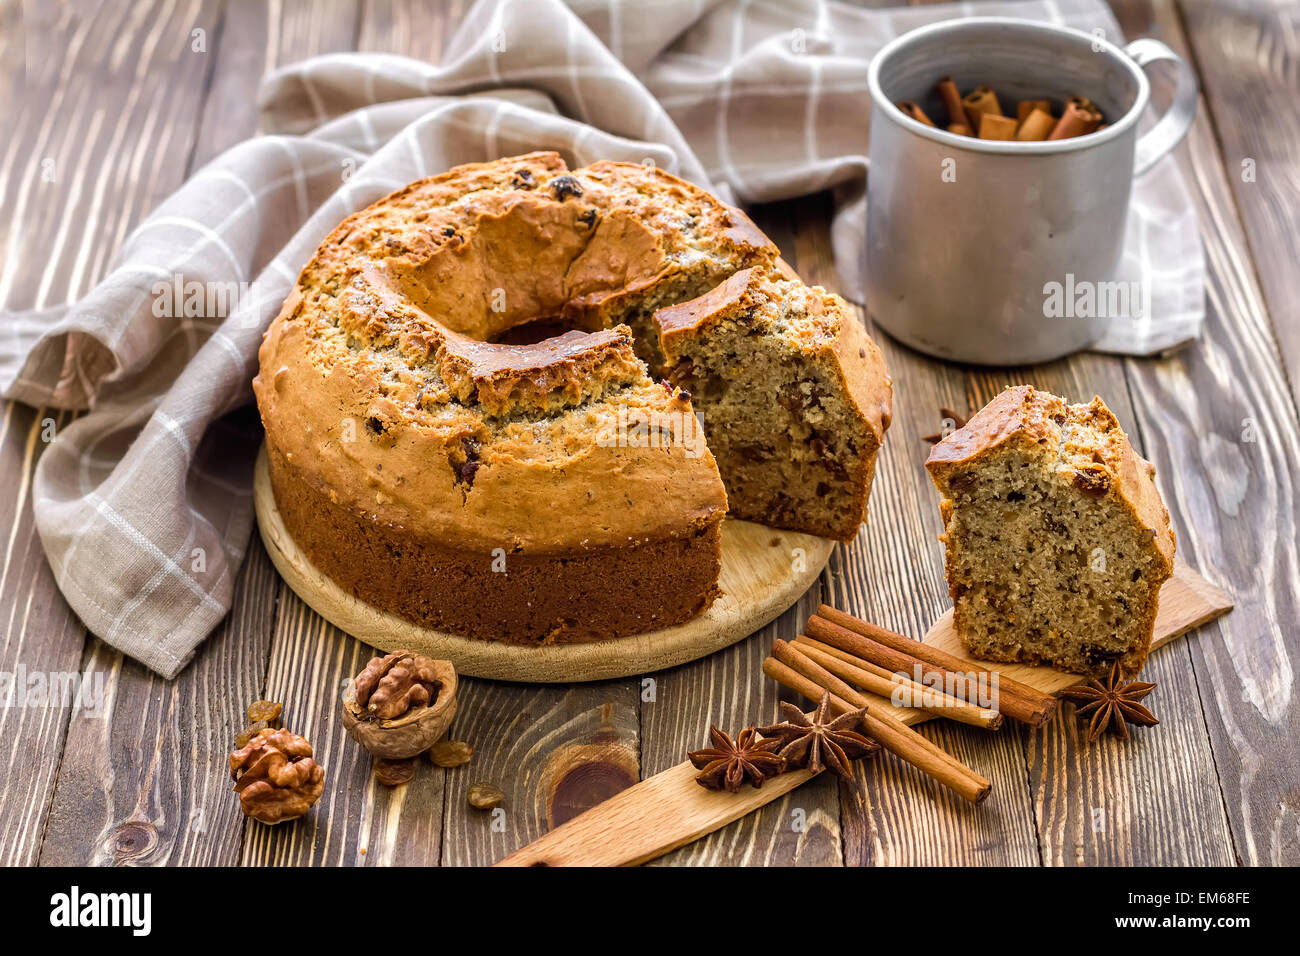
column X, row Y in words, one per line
column 276, row 777
column 400, row 704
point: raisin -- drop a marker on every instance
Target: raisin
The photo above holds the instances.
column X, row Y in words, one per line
column 1092, row 480
column 267, row 710
column 248, row 733
column 523, row 179
column 565, row 186
column 484, row 796
column 451, row 753
column 465, row 472
column 961, row 480
column 394, row 773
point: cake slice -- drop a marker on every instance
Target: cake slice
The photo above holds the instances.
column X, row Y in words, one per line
column 793, row 395
column 1056, row 539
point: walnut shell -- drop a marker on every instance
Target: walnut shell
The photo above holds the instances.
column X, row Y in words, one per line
column 410, row 733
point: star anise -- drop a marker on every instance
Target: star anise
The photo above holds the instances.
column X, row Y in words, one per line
column 1113, row 705
column 817, row 741
column 728, row 764
column 946, row 415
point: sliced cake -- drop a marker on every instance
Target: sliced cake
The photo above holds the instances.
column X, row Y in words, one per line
column 794, row 398
column 1057, row 542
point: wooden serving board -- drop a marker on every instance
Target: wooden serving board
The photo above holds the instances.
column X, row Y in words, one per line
column 670, row 809
column 764, row 571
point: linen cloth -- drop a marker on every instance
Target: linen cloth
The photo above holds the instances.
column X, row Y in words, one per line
column 143, row 505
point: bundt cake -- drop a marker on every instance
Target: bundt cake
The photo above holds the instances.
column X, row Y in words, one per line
column 459, row 427
column 793, row 396
column 1056, row 539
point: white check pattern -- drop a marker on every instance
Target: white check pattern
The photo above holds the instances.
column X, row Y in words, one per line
column 143, row 504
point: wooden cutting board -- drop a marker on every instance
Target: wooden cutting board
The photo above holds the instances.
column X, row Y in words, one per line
column 764, row 571
column 670, row 809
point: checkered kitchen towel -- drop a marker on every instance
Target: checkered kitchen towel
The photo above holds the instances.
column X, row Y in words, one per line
column 143, row 504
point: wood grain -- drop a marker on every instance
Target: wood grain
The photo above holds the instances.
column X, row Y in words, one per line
column 1224, row 433
column 42, row 637
column 1248, row 55
column 76, row 173
column 148, row 784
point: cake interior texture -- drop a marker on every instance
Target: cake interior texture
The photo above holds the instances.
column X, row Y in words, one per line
column 794, row 448
column 1056, row 542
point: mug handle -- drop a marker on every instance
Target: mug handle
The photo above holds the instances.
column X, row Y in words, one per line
column 1173, row 126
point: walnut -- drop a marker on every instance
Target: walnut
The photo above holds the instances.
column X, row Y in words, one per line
column 390, row 686
column 400, row 704
column 276, row 777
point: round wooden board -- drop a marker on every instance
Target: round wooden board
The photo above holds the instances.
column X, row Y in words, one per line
column 764, row 571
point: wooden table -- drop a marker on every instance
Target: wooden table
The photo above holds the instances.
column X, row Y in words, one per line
column 120, row 108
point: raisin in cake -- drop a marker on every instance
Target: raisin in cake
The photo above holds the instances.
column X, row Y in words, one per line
column 1056, row 540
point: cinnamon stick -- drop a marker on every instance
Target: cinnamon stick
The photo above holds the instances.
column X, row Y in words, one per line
column 995, row 126
column 896, row 652
column 977, row 102
column 1079, row 119
column 1037, row 126
column 883, row 682
column 1025, row 107
column 792, row 669
column 914, row 111
column 925, row 652
column 947, row 91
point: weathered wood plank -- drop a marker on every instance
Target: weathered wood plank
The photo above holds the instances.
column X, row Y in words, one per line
column 89, row 140
column 1221, row 425
column 1248, row 56
column 893, row 574
column 41, row 638
column 146, row 782
column 150, row 784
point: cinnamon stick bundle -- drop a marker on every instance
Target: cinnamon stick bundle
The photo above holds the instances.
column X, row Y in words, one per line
column 884, row 683
column 889, row 649
column 791, row 668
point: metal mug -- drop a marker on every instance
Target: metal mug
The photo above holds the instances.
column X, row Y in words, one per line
column 965, row 236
